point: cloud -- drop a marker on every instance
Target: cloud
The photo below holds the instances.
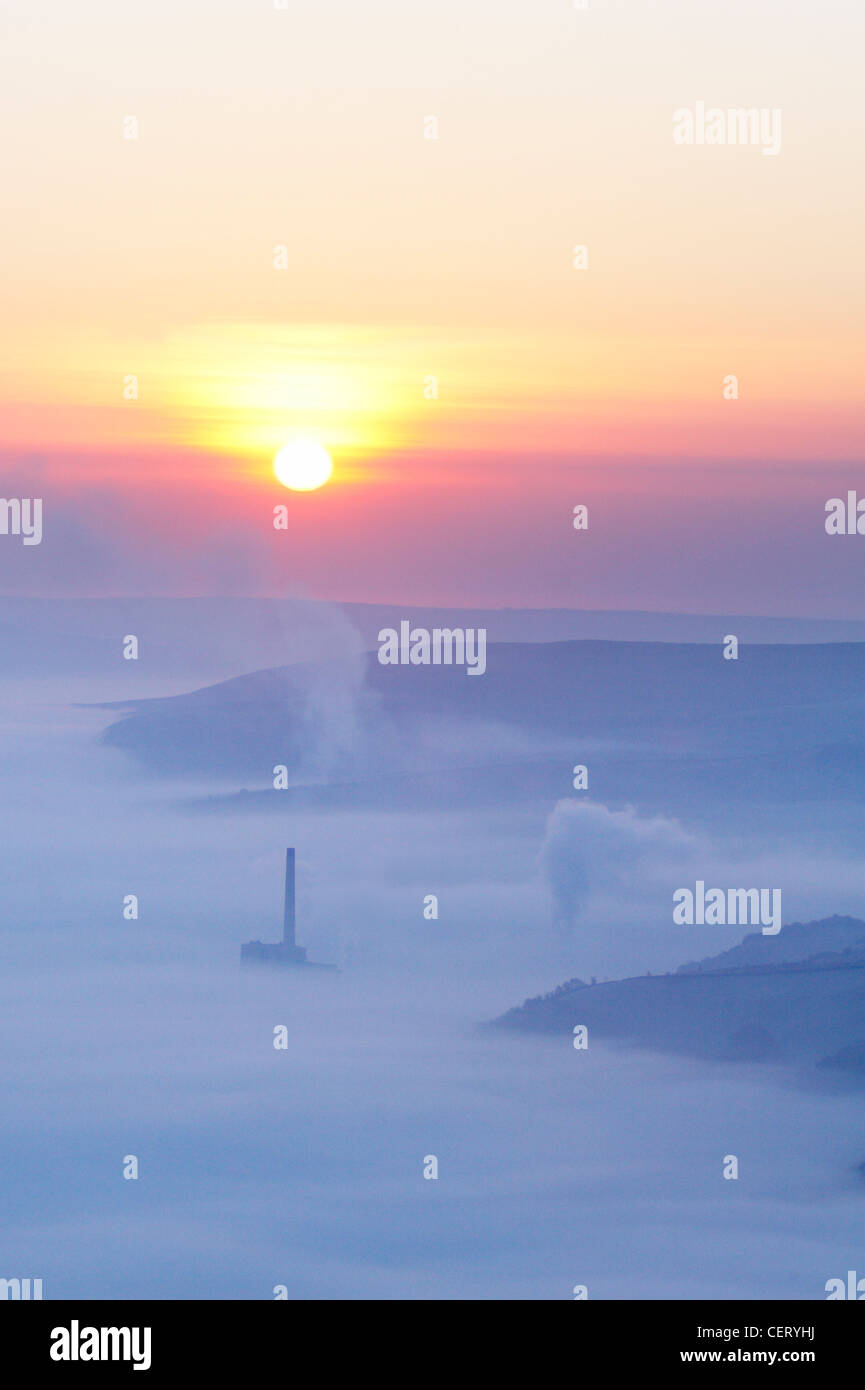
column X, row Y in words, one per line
column 590, row 850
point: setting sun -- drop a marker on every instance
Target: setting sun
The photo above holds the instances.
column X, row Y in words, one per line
column 303, row 465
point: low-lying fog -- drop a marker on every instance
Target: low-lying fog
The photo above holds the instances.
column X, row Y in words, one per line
column 303, row 1166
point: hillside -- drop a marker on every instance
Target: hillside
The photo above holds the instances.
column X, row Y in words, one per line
column 214, row 638
column 790, row 1010
column 658, row 723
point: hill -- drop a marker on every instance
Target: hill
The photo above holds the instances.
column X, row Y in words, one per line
column 659, row 723
column 789, row 1010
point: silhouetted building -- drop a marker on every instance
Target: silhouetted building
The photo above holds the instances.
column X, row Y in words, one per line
column 286, row 951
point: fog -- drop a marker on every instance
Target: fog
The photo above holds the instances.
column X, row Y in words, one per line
column 303, row 1166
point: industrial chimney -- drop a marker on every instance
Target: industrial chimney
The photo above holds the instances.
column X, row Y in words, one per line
column 288, row 920
column 286, row 951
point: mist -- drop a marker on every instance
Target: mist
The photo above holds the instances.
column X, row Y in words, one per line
column 303, row 1166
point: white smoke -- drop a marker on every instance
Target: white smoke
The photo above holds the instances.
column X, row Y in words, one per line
column 589, row 850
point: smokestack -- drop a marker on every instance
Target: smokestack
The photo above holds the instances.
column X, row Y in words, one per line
column 288, row 921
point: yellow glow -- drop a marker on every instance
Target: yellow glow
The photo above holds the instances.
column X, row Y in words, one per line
column 303, row 465
column 242, row 388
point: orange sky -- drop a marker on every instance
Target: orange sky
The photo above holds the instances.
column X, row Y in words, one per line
column 409, row 258
column 280, row 249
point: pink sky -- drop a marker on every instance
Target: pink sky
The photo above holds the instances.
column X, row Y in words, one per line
column 280, row 247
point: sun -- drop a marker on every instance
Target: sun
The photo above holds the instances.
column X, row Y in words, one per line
column 303, row 465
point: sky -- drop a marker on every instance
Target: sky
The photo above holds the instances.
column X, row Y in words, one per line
column 459, row 246
column 281, row 250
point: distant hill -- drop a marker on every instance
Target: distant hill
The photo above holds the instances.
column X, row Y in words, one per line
column 606, row 625
column 798, row 941
column 660, row 723
column 788, row 1010
column 215, row 638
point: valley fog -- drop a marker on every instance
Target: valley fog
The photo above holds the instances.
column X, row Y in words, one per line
column 303, row 1166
